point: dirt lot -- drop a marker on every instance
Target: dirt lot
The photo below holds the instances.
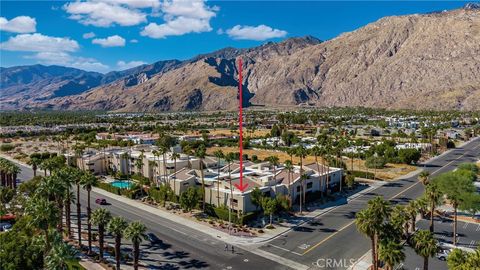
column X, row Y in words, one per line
column 391, row 171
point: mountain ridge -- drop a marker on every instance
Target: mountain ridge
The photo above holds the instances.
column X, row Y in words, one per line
column 419, row 61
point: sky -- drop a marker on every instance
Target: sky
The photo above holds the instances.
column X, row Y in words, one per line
column 106, row 35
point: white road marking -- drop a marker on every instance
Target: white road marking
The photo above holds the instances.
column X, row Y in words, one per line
column 304, row 246
column 246, row 260
column 472, row 244
column 284, row 249
column 478, row 228
column 466, row 225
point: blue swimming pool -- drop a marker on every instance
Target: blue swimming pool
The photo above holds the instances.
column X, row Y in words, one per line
column 121, row 184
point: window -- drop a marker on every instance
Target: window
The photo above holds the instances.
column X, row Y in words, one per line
column 309, row 185
column 298, row 188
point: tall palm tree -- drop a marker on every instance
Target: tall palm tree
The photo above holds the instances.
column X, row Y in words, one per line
column 425, row 245
column 433, row 196
column 317, row 151
column 423, row 177
column 391, row 253
column 200, row 153
column 274, row 161
column 163, row 151
column 53, row 189
column 88, row 181
column 59, row 255
column 117, row 226
column 229, row 159
column 101, row 217
column 219, row 155
column 78, row 181
column 44, row 215
column 34, row 162
column 301, row 153
column 139, row 162
column 175, row 156
column 136, row 233
column 303, row 178
column 156, row 156
column 289, row 167
column 366, row 224
column 412, row 211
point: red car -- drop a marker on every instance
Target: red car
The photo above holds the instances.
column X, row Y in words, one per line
column 101, row 201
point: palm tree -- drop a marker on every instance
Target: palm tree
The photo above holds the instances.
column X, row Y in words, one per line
column 44, row 215
column 101, row 217
column 289, row 168
column 59, row 255
column 78, row 181
column 175, row 156
column 117, row 226
column 136, row 233
column 412, row 211
column 88, row 181
column 425, row 245
column 34, row 162
column 219, row 155
column 53, row 188
column 423, row 177
column 229, row 159
column 317, row 151
column 366, row 224
column 274, row 162
column 301, row 153
column 69, row 199
column 200, row 153
column 391, row 253
column 156, row 155
column 163, row 151
column 139, row 162
column 433, row 196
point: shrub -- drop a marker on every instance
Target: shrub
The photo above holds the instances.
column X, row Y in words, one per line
column 360, row 174
column 375, row 162
column 7, row 147
column 409, row 156
column 469, row 167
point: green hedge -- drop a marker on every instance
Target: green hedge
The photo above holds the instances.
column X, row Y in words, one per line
column 119, row 191
column 222, row 213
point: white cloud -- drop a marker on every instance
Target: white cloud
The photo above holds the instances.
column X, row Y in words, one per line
column 133, row 41
column 111, row 41
column 20, row 24
column 261, row 32
column 181, row 17
column 89, row 35
column 39, row 43
column 122, row 65
column 106, row 13
column 135, row 3
column 65, row 59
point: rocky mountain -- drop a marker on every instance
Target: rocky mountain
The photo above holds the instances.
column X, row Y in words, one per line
column 420, row 61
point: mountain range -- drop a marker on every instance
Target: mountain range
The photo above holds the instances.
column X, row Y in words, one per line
column 419, row 61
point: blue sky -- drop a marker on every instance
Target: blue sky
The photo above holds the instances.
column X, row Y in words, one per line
column 105, row 35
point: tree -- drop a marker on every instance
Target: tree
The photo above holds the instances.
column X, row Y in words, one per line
column 274, row 162
column 425, row 245
column 117, row 226
column 60, row 254
column 411, row 209
column 456, row 259
column 189, row 199
column 200, row 153
column 433, row 196
column 88, row 181
column 423, row 177
column 219, row 155
column 166, row 192
column 256, row 197
column 301, row 153
column 409, row 155
column 289, row 167
column 455, row 186
column 391, row 253
column 44, row 215
column 136, row 233
column 350, row 180
column 101, row 217
column 34, row 162
column 175, row 156
column 366, row 224
column 269, row 206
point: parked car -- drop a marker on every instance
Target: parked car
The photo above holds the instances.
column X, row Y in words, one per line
column 153, row 239
column 443, row 254
column 5, row 227
column 101, row 201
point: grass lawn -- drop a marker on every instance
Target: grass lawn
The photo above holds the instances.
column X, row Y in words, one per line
column 75, row 265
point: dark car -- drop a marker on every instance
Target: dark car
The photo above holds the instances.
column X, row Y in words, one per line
column 101, row 201
column 153, row 239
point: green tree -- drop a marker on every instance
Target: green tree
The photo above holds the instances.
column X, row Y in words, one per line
column 269, row 206
column 424, row 177
column 366, row 224
column 391, row 253
column 88, row 181
column 59, row 255
column 136, row 233
column 433, row 196
column 101, row 217
column 425, row 245
column 256, row 197
column 117, row 226
column 219, row 155
column 44, row 215
column 456, row 259
column 189, row 199
column 200, row 153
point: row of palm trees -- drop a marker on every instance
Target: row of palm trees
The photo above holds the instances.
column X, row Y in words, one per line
column 387, row 227
column 53, row 199
column 8, row 173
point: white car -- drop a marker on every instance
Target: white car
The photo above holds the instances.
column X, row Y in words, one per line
column 442, row 255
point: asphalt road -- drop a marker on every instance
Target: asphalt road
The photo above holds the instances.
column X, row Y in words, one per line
column 333, row 236
column 182, row 247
